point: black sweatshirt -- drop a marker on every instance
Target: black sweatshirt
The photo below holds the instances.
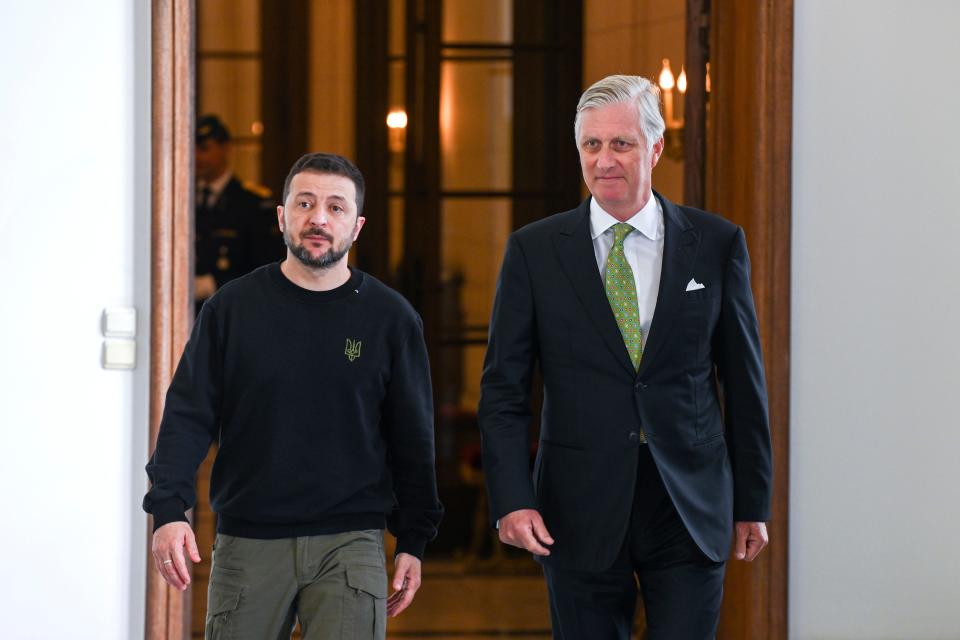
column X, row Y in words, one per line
column 323, row 408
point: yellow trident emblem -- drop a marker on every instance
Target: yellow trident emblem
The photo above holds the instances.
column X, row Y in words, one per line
column 353, row 349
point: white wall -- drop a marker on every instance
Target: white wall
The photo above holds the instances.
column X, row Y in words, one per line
column 74, row 238
column 875, row 446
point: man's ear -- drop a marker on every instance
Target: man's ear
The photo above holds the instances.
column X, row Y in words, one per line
column 280, row 216
column 356, row 229
column 657, row 151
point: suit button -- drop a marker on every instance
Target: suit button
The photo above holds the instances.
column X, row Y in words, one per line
column 634, row 436
column 639, row 385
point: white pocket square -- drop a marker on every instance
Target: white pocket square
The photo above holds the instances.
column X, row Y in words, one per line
column 693, row 285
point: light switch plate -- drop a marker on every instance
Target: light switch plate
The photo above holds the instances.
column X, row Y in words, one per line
column 120, row 322
column 119, row 353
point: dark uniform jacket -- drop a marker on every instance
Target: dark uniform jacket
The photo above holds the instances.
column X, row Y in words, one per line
column 237, row 234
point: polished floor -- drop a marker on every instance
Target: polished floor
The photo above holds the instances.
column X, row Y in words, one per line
column 458, row 600
column 505, row 597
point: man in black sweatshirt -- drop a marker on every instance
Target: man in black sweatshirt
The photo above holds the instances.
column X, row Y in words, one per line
column 314, row 377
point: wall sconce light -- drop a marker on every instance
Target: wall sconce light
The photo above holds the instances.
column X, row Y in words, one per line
column 673, row 118
column 397, row 125
column 673, row 135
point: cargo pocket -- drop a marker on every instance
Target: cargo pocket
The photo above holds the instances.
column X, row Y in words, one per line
column 222, row 602
column 365, row 603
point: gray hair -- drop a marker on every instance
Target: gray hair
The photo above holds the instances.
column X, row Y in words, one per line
column 636, row 89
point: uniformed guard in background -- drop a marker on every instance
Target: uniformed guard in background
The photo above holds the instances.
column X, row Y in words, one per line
column 236, row 223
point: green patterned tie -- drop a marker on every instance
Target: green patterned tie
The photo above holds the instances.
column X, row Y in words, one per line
column 622, row 293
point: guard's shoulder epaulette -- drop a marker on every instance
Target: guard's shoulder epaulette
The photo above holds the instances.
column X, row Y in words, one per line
column 257, row 189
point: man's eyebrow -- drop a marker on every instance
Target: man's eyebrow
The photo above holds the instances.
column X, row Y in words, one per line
column 337, row 198
column 300, row 194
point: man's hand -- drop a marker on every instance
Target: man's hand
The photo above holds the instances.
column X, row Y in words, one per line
column 168, row 543
column 751, row 539
column 525, row 529
column 406, row 581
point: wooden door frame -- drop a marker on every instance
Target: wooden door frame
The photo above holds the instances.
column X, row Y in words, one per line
column 171, row 245
column 749, row 156
column 749, row 181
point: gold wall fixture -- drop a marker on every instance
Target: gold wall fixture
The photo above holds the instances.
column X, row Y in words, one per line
column 673, row 111
column 672, row 116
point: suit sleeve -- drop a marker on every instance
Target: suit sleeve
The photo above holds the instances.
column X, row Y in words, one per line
column 740, row 371
column 504, row 411
column 189, row 424
column 408, row 417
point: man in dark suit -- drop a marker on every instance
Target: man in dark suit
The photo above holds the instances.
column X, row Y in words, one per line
column 640, row 316
column 236, row 223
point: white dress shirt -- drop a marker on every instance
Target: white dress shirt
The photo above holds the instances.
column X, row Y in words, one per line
column 643, row 249
column 216, row 188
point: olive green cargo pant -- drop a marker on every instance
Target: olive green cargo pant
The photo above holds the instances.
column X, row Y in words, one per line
column 335, row 585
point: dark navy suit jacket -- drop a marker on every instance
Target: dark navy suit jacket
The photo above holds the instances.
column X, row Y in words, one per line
column 699, row 395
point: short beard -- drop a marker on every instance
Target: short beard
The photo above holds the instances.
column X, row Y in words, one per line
column 331, row 257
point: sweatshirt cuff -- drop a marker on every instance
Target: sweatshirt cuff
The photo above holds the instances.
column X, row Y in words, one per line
column 167, row 511
column 414, row 545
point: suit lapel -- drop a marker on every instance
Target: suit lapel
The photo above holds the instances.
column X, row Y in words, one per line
column 680, row 245
column 575, row 253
